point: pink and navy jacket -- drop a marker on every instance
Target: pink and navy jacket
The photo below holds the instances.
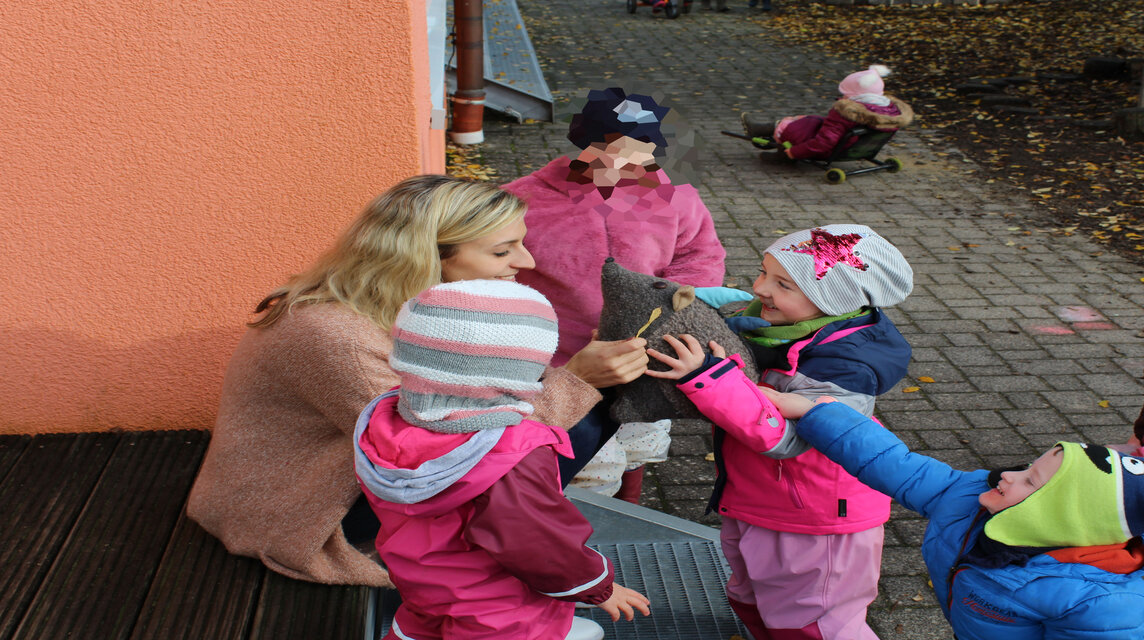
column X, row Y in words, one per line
column 658, row 229
column 475, row 532
column 770, row 476
column 816, row 137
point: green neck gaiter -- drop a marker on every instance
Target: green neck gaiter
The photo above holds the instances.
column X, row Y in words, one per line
column 779, row 335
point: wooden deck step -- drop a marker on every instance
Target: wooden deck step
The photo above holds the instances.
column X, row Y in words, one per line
column 200, row 590
column 94, row 543
column 44, row 490
column 96, row 584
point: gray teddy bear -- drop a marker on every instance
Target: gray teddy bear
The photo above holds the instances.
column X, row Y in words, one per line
column 647, row 306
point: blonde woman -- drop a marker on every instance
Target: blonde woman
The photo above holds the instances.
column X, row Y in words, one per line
column 278, row 478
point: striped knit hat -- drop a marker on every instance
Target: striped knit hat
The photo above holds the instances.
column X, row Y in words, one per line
column 471, row 354
column 844, row 267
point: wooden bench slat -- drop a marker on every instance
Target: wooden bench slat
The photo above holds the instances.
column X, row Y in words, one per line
column 291, row 609
column 11, row 447
column 43, row 493
column 200, row 590
column 98, row 582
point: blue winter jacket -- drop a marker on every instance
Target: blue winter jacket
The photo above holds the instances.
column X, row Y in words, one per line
column 1045, row 599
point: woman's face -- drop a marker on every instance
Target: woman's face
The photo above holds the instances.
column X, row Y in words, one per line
column 497, row 256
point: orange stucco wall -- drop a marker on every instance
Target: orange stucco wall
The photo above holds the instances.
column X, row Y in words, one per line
column 165, row 164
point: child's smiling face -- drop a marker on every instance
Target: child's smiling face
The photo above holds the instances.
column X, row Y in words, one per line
column 783, row 302
column 1015, row 486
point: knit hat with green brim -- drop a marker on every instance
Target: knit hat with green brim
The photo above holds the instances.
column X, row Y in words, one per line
column 1095, row 498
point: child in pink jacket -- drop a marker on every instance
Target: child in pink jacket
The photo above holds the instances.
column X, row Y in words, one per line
column 477, row 536
column 802, row 536
column 863, row 104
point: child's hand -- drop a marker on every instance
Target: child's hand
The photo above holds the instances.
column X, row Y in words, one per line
column 623, row 601
column 791, row 405
column 691, row 356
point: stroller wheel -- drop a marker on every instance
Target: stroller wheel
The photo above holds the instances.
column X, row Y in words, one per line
column 671, row 9
column 895, row 165
column 835, row 176
column 632, row 5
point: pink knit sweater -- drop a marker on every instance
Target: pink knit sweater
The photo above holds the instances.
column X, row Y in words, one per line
column 663, row 230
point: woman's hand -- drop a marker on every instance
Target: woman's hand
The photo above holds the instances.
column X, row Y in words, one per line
column 691, row 356
column 608, row 363
column 624, row 601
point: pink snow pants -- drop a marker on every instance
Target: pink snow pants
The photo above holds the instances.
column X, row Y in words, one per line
column 803, row 585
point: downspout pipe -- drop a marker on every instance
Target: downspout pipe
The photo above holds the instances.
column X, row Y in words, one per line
column 469, row 98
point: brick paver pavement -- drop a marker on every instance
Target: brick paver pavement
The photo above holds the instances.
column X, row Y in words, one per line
column 1029, row 337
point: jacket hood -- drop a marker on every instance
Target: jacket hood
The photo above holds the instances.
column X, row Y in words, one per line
column 843, row 354
column 418, row 464
column 418, row 471
column 862, row 114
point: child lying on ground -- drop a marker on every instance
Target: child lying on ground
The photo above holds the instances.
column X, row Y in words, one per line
column 1051, row 550
column 476, row 534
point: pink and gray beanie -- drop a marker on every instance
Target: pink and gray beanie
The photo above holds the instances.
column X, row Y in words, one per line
column 471, row 354
column 844, row 267
column 863, row 82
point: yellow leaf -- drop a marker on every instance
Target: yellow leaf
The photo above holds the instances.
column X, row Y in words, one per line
column 910, row 389
column 1103, row 404
column 709, row 457
column 925, row 379
column 655, row 313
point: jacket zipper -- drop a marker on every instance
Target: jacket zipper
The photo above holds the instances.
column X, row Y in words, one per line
column 791, row 488
column 957, row 568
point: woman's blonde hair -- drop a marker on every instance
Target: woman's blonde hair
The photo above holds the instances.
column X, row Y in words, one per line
column 393, row 251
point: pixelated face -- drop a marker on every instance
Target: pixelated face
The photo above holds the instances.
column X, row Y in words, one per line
column 1015, row 486
column 783, row 302
column 496, row 256
column 622, row 158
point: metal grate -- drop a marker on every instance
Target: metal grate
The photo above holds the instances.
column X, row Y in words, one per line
column 684, row 581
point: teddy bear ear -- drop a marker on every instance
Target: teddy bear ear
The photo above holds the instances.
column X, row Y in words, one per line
column 682, row 297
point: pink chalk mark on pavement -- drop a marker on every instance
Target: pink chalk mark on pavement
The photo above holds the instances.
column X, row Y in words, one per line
column 1078, row 314
column 1052, row 330
column 1081, row 318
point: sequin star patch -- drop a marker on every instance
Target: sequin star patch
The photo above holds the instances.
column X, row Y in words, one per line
column 829, row 250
